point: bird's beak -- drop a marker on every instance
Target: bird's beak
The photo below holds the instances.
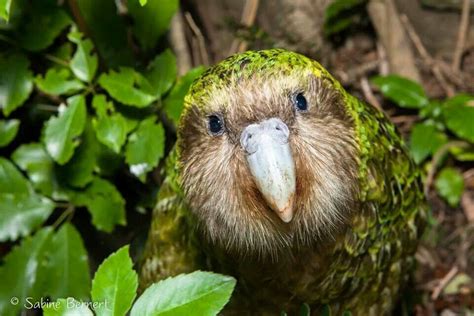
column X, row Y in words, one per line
column 271, row 164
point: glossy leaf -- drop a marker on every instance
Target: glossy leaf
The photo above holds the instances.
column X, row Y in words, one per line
column 111, row 131
column 16, row 81
column 462, row 153
column 60, row 131
column 78, row 172
column 450, row 185
column 41, row 24
column 173, row 103
column 425, row 139
column 145, row 147
column 151, row 21
column 35, row 161
column 8, row 131
column 84, row 61
column 197, row 293
column 127, row 86
column 5, row 9
column 459, row 116
column 115, row 282
column 161, row 73
column 21, row 210
column 58, row 81
column 66, row 268
column 19, row 271
column 104, row 202
column 402, row 91
column 67, row 307
column 340, row 14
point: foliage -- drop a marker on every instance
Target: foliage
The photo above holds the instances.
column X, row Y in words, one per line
column 444, row 126
column 114, row 289
column 340, row 15
column 82, row 105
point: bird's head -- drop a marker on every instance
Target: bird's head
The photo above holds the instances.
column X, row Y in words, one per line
column 268, row 153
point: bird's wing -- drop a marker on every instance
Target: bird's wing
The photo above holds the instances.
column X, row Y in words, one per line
column 172, row 246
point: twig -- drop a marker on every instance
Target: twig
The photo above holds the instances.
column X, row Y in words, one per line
column 443, row 282
column 65, row 214
column 404, row 119
column 436, row 160
column 57, row 60
column 384, row 67
column 428, row 60
column 351, row 75
column 177, row 40
column 200, row 38
column 463, row 26
column 249, row 14
column 47, row 107
column 368, row 94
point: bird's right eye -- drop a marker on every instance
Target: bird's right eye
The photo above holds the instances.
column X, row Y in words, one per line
column 215, row 125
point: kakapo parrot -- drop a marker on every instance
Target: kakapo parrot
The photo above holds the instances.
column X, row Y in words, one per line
column 285, row 181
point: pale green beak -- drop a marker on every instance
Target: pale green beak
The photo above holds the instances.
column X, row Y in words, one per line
column 271, row 163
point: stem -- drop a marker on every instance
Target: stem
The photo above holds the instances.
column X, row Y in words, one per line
column 57, row 60
column 64, row 215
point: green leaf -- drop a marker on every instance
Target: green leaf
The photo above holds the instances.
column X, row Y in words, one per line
column 5, row 8
column 127, row 86
column 145, row 147
column 111, row 131
column 425, row 139
column 16, row 81
column 459, row 116
column 111, row 127
column 151, row 21
column 161, row 73
column 450, row 185
column 197, row 293
column 58, row 81
column 66, row 268
column 402, row 91
column 432, row 110
column 8, row 131
column 305, row 310
column 143, row 2
column 84, row 62
column 173, row 104
column 67, row 307
column 35, row 161
column 104, row 202
column 340, row 6
column 462, row 153
column 19, row 271
column 21, row 209
column 108, row 30
column 101, row 106
column 60, row 131
column 41, row 24
column 340, row 14
column 115, row 282
column 454, row 286
column 78, row 172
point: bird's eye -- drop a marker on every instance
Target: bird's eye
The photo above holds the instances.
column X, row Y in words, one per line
column 300, row 102
column 215, row 125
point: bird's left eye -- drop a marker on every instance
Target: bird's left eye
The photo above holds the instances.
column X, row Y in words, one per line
column 300, row 102
column 215, row 125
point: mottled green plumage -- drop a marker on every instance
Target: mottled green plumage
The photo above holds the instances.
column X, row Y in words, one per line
column 361, row 270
